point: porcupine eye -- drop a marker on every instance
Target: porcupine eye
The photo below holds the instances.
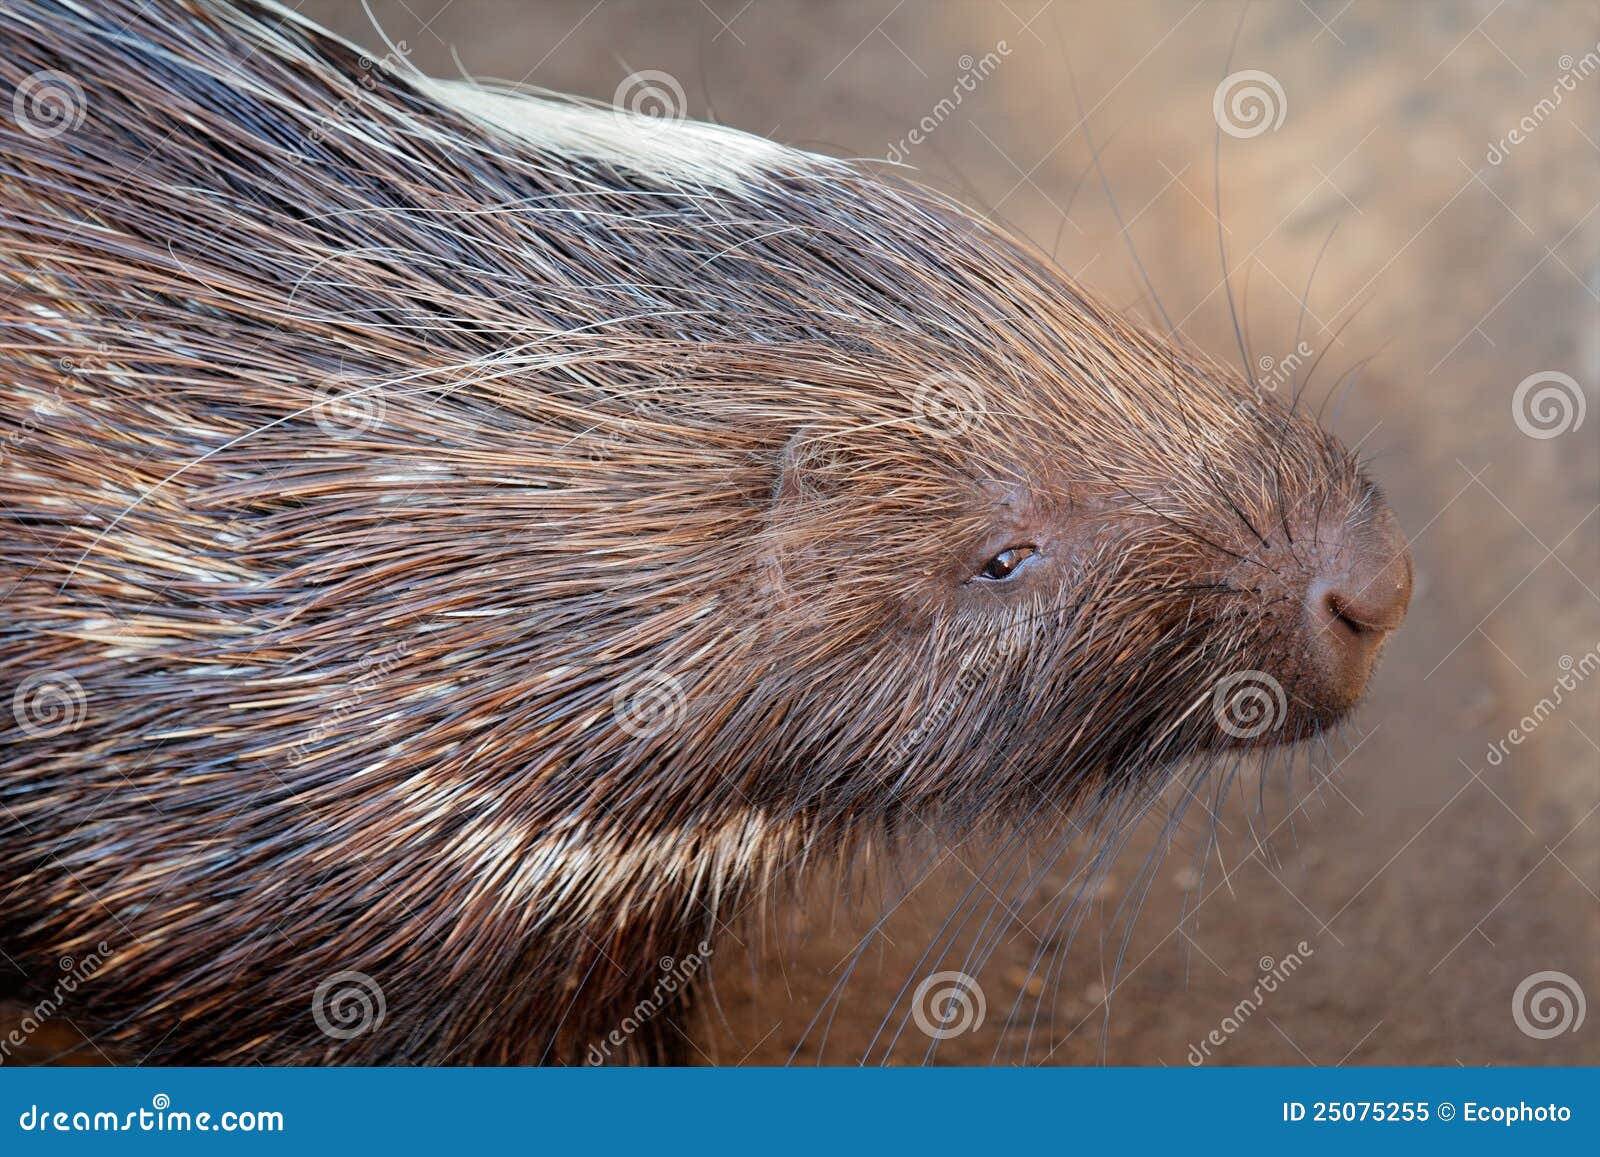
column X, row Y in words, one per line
column 1005, row 564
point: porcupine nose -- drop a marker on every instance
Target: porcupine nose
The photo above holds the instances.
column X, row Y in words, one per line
column 1354, row 599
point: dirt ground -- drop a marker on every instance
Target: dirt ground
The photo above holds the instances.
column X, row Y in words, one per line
column 1426, row 882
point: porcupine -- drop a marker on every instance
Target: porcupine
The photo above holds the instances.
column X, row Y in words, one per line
column 478, row 542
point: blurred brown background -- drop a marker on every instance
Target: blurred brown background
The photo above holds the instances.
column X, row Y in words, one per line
column 1427, row 882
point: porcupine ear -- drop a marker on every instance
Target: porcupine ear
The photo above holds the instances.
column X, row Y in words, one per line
column 807, row 473
column 803, row 471
column 813, row 472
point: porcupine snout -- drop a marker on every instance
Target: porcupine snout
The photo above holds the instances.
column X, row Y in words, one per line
column 1328, row 593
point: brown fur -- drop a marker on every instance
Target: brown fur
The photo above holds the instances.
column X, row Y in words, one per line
column 355, row 677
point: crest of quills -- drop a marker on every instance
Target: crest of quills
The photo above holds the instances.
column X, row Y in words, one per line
column 338, row 648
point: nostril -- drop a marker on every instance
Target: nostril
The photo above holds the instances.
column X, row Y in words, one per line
column 1338, row 612
column 1358, row 586
column 1365, row 587
column 1339, row 615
